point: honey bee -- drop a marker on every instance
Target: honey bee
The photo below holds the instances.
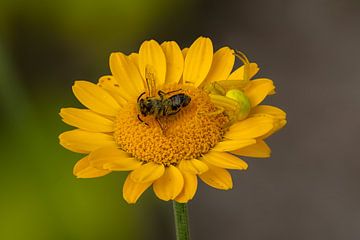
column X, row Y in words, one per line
column 160, row 105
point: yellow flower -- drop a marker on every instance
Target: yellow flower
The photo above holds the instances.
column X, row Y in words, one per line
column 168, row 116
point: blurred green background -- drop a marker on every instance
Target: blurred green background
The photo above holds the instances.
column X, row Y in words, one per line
column 308, row 190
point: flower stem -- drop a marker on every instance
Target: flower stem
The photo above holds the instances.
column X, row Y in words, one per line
column 181, row 221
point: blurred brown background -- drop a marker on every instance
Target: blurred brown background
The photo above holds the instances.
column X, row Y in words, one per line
column 307, row 190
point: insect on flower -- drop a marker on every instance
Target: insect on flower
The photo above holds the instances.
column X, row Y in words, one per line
column 229, row 94
column 161, row 105
column 210, row 111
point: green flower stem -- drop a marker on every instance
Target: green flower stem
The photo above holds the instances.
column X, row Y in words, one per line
column 181, row 221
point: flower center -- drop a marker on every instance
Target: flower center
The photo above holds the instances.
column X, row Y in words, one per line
column 187, row 134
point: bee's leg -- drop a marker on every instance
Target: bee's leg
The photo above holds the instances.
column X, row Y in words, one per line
column 138, row 116
column 160, row 125
column 173, row 113
column 162, row 93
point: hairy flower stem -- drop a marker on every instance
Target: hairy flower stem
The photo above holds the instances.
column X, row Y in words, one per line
column 181, row 221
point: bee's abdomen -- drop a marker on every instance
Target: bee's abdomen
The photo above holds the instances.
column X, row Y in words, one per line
column 179, row 100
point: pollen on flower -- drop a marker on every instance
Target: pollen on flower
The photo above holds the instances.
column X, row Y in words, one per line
column 188, row 134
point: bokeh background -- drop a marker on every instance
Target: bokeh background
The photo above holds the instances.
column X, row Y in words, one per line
column 309, row 189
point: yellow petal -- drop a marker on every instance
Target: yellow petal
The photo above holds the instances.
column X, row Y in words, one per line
column 250, row 128
column 184, row 52
column 84, row 142
column 83, row 169
column 108, row 152
column 169, row 186
column 125, row 164
column 95, row 98
column 217, row 177
column 258, row 89
column 174, row 62
column 259, row 150
column 148, row 172
column 225, row 160
column 231, row 145
column 198, row 61
column 271, row 110
column 278, row 124
column 86, row 120
column 278, row 116
column 113, row 88
column 193, row 166
column 127, row 75
column 113, row 158
column 238, row 74
column 133, row 190
column 134, row 57
column 150, row 53
column 189, row 189
column 222, row 64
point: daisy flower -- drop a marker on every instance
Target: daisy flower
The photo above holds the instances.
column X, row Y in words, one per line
column 171, row 116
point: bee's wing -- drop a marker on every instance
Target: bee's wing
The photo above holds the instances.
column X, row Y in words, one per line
column 150, row 81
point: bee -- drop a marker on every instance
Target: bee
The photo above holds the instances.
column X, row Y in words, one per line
column 162, row 104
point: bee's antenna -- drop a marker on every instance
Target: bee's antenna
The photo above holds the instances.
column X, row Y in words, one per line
column 140, row 96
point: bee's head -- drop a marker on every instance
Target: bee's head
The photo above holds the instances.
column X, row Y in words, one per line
column 145, row 107
column 142, row 107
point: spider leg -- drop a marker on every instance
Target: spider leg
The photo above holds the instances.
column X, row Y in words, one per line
column 218, row 111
